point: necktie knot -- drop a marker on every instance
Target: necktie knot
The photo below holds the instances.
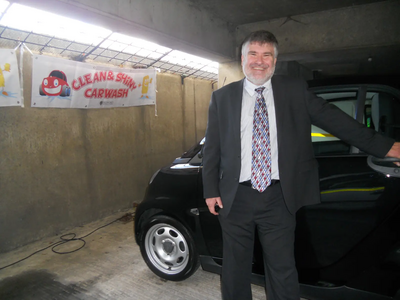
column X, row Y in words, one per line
column 260, row 90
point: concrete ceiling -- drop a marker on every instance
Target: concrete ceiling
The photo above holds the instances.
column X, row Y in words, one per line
column 328, row 37
column 239, row 12
column 350, row 56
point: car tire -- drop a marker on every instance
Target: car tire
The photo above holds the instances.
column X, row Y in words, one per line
column 168, row 248
column 41, row 93
column 66, row 91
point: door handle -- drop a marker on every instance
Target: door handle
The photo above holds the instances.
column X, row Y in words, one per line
column 384, row 165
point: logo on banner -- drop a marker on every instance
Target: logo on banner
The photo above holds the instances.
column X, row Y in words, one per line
column 55, row 85
column 10, row 89
column 145, row 86
column 2, row 80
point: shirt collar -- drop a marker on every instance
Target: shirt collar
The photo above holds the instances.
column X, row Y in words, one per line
column 250, row 87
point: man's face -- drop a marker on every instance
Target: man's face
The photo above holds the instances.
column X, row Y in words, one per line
column 258, row 62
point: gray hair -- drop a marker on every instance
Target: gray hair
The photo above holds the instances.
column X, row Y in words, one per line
column 261, row 37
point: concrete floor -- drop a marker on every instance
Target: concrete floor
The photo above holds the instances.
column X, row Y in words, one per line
column 108, row 267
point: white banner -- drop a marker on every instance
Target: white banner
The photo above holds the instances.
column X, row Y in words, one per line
column 10, row 88
column 68, row 84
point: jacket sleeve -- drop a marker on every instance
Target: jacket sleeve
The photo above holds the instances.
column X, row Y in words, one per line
column 212, row 152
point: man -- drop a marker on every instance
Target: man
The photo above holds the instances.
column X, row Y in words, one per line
column 259, row 167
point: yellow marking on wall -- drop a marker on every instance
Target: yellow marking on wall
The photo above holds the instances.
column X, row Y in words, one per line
column 322, row 134
column 354, row 190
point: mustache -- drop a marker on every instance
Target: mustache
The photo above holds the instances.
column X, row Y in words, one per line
column 259, row 65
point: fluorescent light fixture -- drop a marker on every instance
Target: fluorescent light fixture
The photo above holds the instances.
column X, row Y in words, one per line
column 134, row 46
column 131, row 50
column 154, row 55
column 192, row 58
column 38, row 21
column 107, row 43
column 144, row 44
column 214, row 64
column 210, row 69
column 125, row 39
column 33, row 20
column 3, row 6
column 117, row 46
column 191, row 61
column 163, row 50
column 143, row 52
column 139, row 43
column 193, row 65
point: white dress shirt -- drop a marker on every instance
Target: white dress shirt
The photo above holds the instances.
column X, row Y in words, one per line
column 246, row 128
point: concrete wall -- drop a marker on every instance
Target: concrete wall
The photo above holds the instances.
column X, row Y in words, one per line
column 197, row 94
column 60, row 168
column 229, row 72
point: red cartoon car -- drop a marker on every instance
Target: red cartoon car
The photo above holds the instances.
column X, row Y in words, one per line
column 55, row 85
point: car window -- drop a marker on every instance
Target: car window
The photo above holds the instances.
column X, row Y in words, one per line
column 382, row 113
column 58, row 74
column 196, row 160
column 194, row 150
column 323, row 142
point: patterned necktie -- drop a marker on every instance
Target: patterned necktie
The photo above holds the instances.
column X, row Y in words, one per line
column 261, row 146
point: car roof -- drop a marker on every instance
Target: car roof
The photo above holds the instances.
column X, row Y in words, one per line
column 392, row 81
column 58, row 74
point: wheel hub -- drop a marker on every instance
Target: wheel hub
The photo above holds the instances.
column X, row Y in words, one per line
column 168, row 246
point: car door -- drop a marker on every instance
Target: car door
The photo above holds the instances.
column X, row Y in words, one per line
column 352, row 237
column 210, row 227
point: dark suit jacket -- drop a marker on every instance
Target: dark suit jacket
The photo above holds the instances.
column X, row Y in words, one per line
column 296, row 109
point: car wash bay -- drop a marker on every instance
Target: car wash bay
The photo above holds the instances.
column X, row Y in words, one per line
column 72, row 170
column 62, row 168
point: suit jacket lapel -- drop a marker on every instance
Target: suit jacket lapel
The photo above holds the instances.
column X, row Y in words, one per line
column 280, row 102
column 236, row 104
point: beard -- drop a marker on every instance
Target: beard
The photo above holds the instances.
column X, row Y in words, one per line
column 258, row 80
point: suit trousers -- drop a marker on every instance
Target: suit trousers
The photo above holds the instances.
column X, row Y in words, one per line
column 267, row 213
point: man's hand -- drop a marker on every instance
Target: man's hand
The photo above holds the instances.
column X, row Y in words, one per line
column 212, row 202
column 395, row 152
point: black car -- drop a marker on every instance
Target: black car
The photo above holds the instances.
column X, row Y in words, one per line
column 347, row 247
